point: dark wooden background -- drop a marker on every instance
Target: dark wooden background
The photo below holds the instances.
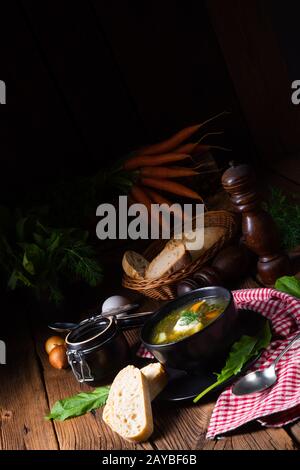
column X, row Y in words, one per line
column 89, row 80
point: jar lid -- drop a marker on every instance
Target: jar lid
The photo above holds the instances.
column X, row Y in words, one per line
column 91, row 333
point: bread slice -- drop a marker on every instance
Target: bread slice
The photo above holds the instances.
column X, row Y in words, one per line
column 172, row 258
column 157, row 378
column 134, row 265
column 195, row 244
column 128, row 409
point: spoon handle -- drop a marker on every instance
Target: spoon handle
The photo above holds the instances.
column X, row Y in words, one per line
column 286, row 349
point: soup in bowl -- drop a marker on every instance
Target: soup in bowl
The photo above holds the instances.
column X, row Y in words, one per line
column 192, row 331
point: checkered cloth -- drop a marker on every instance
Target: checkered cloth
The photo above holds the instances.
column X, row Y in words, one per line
column 280, row 404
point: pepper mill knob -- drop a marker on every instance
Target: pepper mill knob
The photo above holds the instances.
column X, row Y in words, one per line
column 260, row 233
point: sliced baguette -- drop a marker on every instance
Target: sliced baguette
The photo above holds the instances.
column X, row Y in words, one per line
column 128, row 409
column 196, row 245
column 157, row 378
column 172, row 258
column 134, row 265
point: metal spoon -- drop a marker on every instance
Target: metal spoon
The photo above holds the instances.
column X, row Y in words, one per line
column 260, row 380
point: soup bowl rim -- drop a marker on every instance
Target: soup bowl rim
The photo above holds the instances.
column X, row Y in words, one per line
column 186, row 338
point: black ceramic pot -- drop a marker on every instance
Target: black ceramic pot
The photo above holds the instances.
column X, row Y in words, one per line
column 201, row 349
column 97, row 350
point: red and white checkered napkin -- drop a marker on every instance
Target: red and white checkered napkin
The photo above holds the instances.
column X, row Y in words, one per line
column 280, row 404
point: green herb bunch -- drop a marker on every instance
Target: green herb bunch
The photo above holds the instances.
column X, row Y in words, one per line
column 286, row 214
column 44, row 258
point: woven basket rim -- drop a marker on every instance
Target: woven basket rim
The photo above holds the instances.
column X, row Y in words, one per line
column 226, row 220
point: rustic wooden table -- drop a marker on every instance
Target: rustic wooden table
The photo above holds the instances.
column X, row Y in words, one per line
column 29, row 386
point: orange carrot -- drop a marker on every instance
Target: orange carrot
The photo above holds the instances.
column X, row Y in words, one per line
column 186, row 148
column 170, row 187
column 194, row 308
column 172, row 142
column 166, row 172
column 156, row 197
column 140, row 196
column 159, row 199
column 148, row 160
column 176, row 139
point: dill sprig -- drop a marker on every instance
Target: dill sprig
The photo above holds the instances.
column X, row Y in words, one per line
column 286, row 214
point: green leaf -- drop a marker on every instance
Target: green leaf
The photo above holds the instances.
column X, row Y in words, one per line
column 28, row 265
column 54, row 242
column 80, row 404
column 33, row 258
column 240, row 353
column 263, row 339
column 289, row 285
column 39, row 240
column 18, row 276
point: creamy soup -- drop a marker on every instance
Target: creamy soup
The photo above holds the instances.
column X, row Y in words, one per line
column 187, row 320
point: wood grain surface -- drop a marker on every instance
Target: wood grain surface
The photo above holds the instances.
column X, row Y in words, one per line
column 29, row 387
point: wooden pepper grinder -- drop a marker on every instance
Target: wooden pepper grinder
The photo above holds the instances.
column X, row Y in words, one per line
column 260, row 232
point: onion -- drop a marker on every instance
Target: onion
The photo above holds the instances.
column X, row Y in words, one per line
column 52, row 342
column 58, row 357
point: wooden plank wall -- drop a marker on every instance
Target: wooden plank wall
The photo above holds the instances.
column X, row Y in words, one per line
column 89, row 80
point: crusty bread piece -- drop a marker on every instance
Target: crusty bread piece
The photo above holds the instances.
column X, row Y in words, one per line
column 128, row 409
column 172, row 258
column 157, row 378
column 134, row 265
column 211, row 236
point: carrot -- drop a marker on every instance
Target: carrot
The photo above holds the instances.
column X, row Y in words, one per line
column 159, row 199
column 186, row 148
column 170, row 187
column 172, row 142
column 166, row 172
column 148, row 160
column 140, row 196
column 176, row 139
column 194, row 308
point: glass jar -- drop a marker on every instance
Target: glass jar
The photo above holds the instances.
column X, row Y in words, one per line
column 96, row 350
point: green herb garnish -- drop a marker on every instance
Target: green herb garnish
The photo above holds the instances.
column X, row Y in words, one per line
column 289, row 285
column 188, row 317
column 80, row 404
column 241, row 352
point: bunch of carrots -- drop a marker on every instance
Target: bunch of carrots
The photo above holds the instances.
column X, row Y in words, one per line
column 155, row 171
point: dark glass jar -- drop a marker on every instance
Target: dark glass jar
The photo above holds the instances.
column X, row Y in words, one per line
column 97, row 350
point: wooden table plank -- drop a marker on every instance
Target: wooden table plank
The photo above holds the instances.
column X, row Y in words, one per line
column 294, row 431
column 260, row 439
column 176, row 426
column 23, row 401
column 86, row 432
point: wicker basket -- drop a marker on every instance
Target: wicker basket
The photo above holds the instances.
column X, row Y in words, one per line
column 164, row 288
